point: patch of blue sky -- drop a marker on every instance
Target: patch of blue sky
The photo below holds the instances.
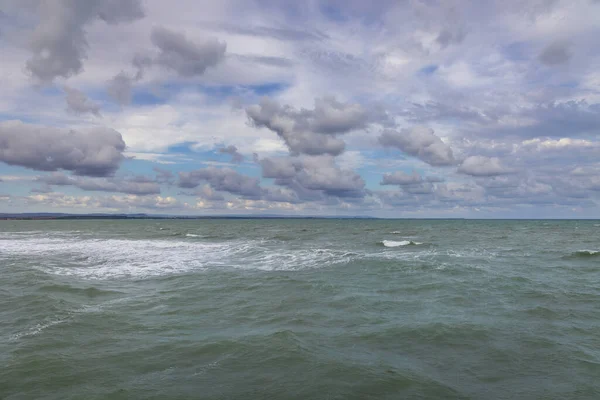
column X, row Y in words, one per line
column 572, row 84
column 143, row 96
column 333, row 13
column 27, row 117
column 517, row 51
column 428, row 70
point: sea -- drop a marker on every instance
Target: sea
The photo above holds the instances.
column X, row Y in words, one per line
column 299, row 309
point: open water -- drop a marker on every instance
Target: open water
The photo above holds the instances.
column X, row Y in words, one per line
column 299, row 309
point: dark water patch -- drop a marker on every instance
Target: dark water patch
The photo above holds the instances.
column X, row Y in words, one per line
column 91, row 292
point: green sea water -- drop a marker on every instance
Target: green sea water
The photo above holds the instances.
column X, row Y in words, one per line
column 299, row 309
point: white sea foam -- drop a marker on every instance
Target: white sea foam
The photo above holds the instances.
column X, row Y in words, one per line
column 191, row 235
column 140, row 259
column 38, row 328
column 393, row 243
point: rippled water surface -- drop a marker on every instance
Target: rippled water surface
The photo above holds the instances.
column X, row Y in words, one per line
column 299, row 309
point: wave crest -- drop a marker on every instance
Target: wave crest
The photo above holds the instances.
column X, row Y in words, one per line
column 393, row 243
column 584, row 254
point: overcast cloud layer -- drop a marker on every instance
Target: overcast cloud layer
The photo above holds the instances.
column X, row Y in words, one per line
column 392, row 109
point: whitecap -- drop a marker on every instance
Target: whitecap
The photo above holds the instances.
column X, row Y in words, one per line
column 191, row 235
column 392, row 243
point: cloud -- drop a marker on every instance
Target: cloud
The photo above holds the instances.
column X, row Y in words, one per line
column 236, row 157
column 135, row 185
column 221, row 179
column 208, row 193
column 420, row 142
column 59, row 42
column 183, row 56
column 311, row 132
column 448, row 36
column 79, row 103
column 163, row 175
column 175, row 53
column 119, row 88
column 483, row 166
column 93, row 152
column 311, row 176
column 555, row 54
column 401, row 178
column 119, row 203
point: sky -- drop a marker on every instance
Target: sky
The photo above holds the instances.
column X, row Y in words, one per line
column 401, row 109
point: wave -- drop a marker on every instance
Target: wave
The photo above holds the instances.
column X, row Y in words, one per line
column 144, row 259
column 392, row 243
column 583, row 254
column 38, row 328
column 191, row 235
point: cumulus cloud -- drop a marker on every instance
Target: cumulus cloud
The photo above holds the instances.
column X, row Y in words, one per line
column 221, row 179
column 183, row 56
column 59, row 42
column 94, row 152
column 311, row 132
column 79, row 103
column 483, row 166
column 420, row 142
column 236, row 156
column 175, row 52
column 310, row 176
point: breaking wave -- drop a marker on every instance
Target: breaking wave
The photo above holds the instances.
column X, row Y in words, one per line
column 584, row 254
column 141, row 259
column 393, row 243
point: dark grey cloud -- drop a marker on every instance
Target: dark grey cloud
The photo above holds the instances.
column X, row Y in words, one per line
column 483, row 166
column 163, row 175
column 450, row 36
column 79, row 103
column 279, row 167
column 401, row 178
column 59, row 43
column 311, row 132
column 94, row 152
column 222, row 179
column 555, row 54
column 311, row 177
column 236, row 156
column 420, row 142
column 321, row 173
column 119, row 88
column 175, row 52
column 185, row 57
column 137, row 185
